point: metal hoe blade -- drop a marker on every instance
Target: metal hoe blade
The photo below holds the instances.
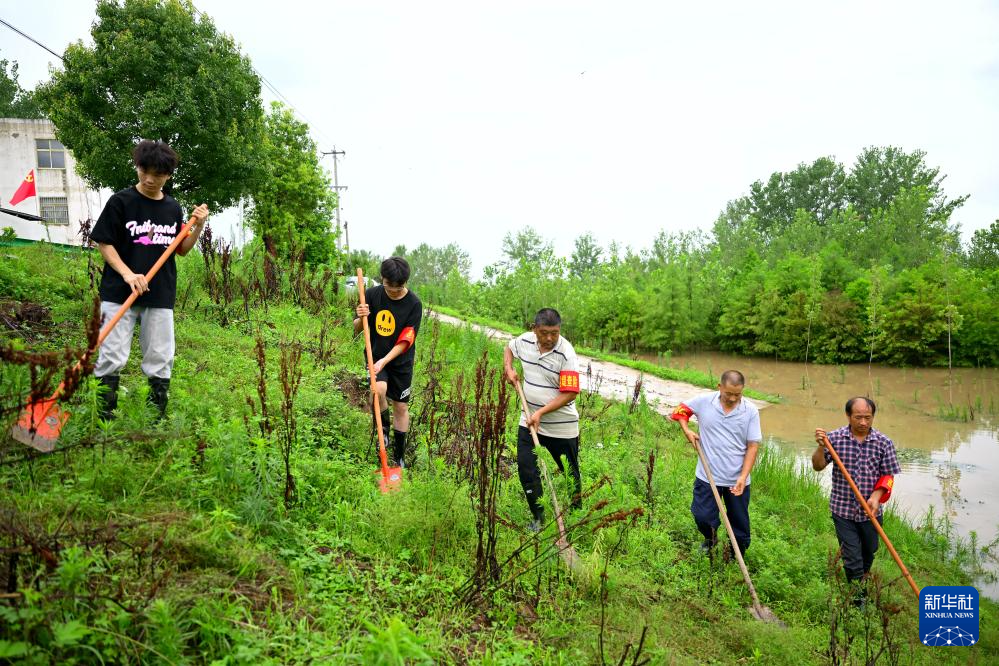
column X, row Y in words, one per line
column 764, row 614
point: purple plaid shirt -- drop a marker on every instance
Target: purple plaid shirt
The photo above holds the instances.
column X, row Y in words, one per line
column 866, row 462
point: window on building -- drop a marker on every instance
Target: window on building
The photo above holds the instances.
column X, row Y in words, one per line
column 51, row 154
column 55, row 210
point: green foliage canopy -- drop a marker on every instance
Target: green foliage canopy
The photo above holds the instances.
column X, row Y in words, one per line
column 15, row 101
column 984, row 249
column 820, row 263
column 158, row 71
column 294, row 202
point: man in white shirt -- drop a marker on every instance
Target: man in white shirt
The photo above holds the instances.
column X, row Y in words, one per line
column 551, row 384
column 730, row 438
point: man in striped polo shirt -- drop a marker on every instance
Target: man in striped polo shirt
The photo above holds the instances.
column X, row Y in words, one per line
column 551, row 384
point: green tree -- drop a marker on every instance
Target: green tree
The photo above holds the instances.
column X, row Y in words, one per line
column 907, row 233
column 367, row 261
column 818, row 188
column 156, row 71
column 432, row 265
column 585, row 256
column 527, row 246
column 880, row 174
column 736, row 234
column 983, row 252
column 915, row 319
column 15, row 101
column 293, row 204
column 975, row 294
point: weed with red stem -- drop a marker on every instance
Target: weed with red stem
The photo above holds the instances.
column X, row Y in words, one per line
column 71, row 366
column 291, row 379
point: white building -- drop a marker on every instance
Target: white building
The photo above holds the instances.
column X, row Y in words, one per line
column 61, row 196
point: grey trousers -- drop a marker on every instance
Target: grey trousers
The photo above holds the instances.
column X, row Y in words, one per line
column 155, row 339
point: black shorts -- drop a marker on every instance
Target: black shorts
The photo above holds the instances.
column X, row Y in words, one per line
column 399, row 380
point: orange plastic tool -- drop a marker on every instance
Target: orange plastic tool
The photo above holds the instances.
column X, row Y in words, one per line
column 389, row 478
column 40, row 423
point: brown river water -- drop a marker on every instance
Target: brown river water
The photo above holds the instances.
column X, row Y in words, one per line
column 948, row 462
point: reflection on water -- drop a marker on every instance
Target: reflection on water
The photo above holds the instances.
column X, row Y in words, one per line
column 945, row 426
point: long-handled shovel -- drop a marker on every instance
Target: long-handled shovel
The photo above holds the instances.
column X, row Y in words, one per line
column 759, row 611
column 870, row 514
column 389, row 478
column 565, row 549
column 41, row 421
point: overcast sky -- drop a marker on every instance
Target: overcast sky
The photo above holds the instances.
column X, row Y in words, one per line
column 464, row 121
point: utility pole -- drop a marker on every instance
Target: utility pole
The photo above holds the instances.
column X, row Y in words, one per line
column 336, row 188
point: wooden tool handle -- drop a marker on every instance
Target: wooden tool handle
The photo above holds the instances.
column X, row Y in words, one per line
column 382, row 455
column 544, row 467
column 728, row 528
column 870, row 514
column 185, row 231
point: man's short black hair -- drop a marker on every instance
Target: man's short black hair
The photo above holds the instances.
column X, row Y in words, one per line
column 155, row 157
column 395, row 270
column 870, row 403
column 732, row 378
column 547, row 317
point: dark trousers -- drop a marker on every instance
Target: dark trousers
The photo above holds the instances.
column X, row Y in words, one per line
column 527, row 464
column 705, row 511
column 858, row 541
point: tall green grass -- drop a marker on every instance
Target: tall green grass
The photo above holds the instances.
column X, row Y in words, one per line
column 175, row 545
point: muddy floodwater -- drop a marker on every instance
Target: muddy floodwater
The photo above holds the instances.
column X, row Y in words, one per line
column 949, row 455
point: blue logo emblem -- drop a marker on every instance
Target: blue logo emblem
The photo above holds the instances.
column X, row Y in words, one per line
column 948, row 616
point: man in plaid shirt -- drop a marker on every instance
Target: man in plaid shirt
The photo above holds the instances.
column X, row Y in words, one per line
column 869, row 457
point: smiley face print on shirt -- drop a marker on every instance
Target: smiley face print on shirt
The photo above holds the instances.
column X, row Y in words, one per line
column 384, row 323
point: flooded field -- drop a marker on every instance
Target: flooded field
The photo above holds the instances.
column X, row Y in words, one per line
column 946, row 428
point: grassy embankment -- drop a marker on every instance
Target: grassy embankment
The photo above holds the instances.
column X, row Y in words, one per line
column 172, row 543
column 688, row 375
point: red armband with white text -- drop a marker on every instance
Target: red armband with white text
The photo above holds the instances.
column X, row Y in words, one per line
column 885, row 483
column 568, row 381
column 407, row 337
column 682, row 413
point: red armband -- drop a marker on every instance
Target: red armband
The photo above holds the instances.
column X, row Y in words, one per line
column 885, row 483
column 568, row 381
column 682, row 413
column 407, row 337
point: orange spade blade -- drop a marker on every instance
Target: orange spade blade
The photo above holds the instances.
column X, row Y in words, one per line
column 39, row 425
column 389, row 479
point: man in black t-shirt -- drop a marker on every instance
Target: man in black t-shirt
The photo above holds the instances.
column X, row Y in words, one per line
column 133, row 230
column 394, row 314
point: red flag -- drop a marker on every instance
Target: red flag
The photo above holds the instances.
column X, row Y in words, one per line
column 26, row 190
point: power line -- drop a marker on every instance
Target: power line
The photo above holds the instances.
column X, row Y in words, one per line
column 270, row 86
column 29, row 37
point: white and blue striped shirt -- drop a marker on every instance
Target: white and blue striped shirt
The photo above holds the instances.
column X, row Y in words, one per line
column 545, row 375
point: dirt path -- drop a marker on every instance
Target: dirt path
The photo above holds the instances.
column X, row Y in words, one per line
column 612, row 380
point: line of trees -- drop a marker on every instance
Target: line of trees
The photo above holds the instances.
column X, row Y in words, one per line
column 824, row 263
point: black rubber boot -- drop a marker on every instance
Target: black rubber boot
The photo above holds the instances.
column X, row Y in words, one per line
column 107, row 400
column 399, row 447
column 159, row 388
column 537, row 518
